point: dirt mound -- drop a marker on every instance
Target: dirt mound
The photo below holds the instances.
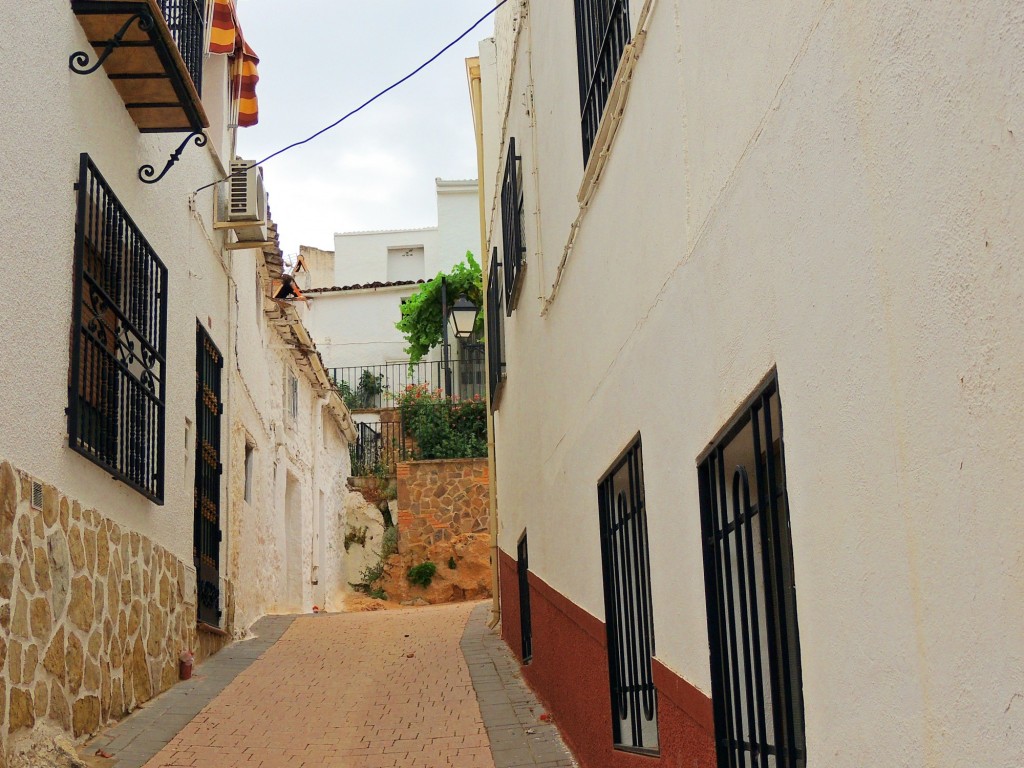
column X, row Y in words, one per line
column 356, row 603
column 469, row 579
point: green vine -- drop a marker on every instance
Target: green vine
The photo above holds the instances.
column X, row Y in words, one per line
column 421, row 322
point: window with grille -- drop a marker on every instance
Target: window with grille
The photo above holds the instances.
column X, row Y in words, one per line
column 495, row 329
column 602, row 32
column 629, row 618
column 117, row 385
column 513, row 245
column 751, row 600
column 525, row 623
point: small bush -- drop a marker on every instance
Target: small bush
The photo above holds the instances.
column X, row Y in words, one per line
column 421, row 575
column 378, row 594
column 451, row 563
column 389, row 543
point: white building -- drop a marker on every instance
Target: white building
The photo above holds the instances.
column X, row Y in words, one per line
column 138, row 363
column 809, row 210
column 357, row 295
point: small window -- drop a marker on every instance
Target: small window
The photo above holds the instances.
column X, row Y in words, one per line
column 525, row 623
column 116, row 391
column 513, row 245
column 250, row 460
column 495, row 330
column 406, row 263
column 293, row 396
column 627, row 602
column 602, row 32
column 756, row 681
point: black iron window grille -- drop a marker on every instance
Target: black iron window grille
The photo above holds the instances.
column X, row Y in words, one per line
column 602, row 32
column 186, row 19
column 751, row 600
column 495, row 329
column 525, row 623
column 117, row 385
column 513, row 245
column 627, row 600
column 206, row 510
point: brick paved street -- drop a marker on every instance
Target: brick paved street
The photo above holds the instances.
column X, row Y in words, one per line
column 354, row 690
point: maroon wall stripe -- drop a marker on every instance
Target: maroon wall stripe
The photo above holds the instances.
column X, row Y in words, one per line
column 569, row 673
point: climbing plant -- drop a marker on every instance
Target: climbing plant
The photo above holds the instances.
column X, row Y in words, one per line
column 422, row 323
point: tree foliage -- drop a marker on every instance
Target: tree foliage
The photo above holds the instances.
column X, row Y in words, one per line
column 421, row 322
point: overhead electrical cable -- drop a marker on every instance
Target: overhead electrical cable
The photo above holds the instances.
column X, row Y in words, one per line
column 369, row 101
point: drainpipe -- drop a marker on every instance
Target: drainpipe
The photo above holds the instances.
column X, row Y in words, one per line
column 476, row 97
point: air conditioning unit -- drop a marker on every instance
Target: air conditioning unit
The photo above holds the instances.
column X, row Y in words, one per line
column 241, row 205
column 245, row 193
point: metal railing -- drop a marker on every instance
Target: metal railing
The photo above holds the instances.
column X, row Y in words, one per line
column 513, row 245
column 116, row 392
column 187, row 21
column 379, row 447
column 602, row 31
column 495, row 329
column 377, row 386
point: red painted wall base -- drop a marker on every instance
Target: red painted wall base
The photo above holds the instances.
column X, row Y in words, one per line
column 569, row 673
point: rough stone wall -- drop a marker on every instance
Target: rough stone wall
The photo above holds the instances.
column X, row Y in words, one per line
column 438, row 500
column 92, row 616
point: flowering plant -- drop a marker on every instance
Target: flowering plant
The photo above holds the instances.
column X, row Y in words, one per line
column 443, row 427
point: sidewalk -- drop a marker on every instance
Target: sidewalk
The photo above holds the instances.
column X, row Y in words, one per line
column 354, row 690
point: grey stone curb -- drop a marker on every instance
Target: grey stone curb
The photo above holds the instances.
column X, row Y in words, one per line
column 508, row 706
column 137, row 738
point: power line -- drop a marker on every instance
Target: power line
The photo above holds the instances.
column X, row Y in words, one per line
column 368, row 102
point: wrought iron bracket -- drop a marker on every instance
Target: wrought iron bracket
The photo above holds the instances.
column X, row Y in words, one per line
column 78, row 62
column 147, row 172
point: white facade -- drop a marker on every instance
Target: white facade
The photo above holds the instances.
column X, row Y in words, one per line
column 293, row 431
column 355, row 308
column 139, row 556
column 829, row 191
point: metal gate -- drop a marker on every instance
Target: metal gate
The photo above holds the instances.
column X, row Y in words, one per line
column 525, row 623
column 627, row 598
column 751, row 596
column 207, row 535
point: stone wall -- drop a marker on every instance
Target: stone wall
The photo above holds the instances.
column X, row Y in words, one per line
column 440, row 499
column 92, row 616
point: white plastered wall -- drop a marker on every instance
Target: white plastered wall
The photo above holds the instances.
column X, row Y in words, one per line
column 51, row 115
column 832, row 189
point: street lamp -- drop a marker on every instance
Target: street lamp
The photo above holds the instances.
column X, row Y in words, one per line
column 464, row 315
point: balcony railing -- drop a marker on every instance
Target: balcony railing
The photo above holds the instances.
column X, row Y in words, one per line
column 187, row 21
column 152, row 51
column 375, row 386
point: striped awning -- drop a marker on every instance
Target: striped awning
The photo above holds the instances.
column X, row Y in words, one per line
column 226, row 38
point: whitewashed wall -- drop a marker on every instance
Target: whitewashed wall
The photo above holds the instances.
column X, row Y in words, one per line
column 832, row 189
column 51, row 116
column 353, row 328
column 279, row 543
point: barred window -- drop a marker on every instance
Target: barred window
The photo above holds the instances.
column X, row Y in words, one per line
column 629, row 619
column 512, row 241
column 751, row 597
column 495, row 330
column 117, row 384
column 602, row 32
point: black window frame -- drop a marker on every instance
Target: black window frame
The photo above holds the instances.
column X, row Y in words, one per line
column 495, row 331
column 207, row 534
column 512, row 237
column 525, row 617
column 757, row 689
column 602, row 33
column 117, row 378
column 629, row 609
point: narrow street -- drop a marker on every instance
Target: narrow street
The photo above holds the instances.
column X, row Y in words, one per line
column 359, row 690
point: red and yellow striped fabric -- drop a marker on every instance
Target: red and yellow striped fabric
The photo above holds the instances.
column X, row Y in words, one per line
column 226, row 38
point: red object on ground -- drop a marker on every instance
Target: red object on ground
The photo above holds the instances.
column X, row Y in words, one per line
column 185, row 670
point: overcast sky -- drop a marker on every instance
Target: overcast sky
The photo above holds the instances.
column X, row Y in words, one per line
column 321, row 58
